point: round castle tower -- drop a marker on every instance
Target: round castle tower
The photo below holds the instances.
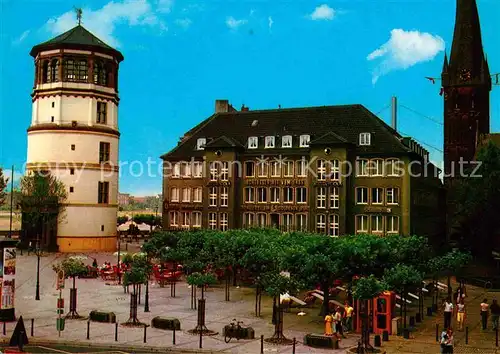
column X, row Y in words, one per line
column 74, row 134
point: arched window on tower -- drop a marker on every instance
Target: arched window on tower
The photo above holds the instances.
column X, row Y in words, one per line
column 69, row 70
column 82, row 70
column 45, row 72
column 54, row 71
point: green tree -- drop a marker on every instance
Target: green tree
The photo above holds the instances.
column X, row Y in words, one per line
column 120, row 220
column 451, row 264
column 3, row 185
column 135, row 276
column 201, row 280
column 72, row 268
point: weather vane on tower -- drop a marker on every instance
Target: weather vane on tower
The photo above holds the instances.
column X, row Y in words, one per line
column 79, row 15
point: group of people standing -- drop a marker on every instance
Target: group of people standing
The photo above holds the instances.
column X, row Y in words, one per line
column 339, row 321
column 486, row 309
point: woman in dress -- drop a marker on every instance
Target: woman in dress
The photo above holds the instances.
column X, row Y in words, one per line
column 328, row 325
column 461, row 314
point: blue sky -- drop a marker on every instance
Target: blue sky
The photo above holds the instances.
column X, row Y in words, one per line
column 180, row 56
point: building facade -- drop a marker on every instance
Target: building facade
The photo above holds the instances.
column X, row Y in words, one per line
column 124, row 199
column 334, row 170
column 74, row 134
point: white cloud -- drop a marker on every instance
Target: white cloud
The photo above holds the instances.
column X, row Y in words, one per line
column 233, row 23
column 103, row 22
column 271, row 22
column 184, row 22
column 22, row 37
column 323, row 12
column 165, row 6
column 404, row 50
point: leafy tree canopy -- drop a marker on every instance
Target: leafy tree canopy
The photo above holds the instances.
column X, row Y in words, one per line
column 3, row 185
column 367, row 288
column 72, row 267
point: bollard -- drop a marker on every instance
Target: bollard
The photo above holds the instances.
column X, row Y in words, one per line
column 466, row 335
column 145, row 326
column 261, row 344
column 385, row 336
column 20, row 345
column 88, row 329
column 32, row 327
column 201, row 338
column 116, row 332
column 412, row 321
column 376, row 341
column 294, row 343
column 4, row 329
column 418, row 318
column 173, row 337
column 406, row 333
column 437, row 332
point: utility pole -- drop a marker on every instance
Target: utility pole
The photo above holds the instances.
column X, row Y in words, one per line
column 11, row 199
column 394, row 105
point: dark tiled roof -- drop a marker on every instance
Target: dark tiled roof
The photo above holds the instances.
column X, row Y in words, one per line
column 329, row 138
column 345, row 122
column 77, row 37
column 223, row 142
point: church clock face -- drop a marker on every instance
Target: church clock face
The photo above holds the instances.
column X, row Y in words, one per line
column 465, row 75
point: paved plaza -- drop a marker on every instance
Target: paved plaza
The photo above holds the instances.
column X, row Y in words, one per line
column 96, row 294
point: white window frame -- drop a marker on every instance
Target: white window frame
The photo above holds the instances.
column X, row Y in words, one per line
column 252, row 163
column 213, row 171
column 197, row 169
column 198, row 195
column 274, row 195
column 362, row 168
column 362, row 227
column 174, row 195
column 249, row 220
column 364, row 196
column 302, row 168
column 173, row 218
column 288, row 195
column 304, row 140
column 333, row 225
column 392, row 196
column 288, row 168
column 253, row 142
column 269, row 142
column 321, row 223
column 301, row 192
column 392, row 224
column 249, row 195
column 286, row 141
column 287, row 222
column 186, row 219
column 223, row 221
column 262, row 195
column 377, row 224
column 379, row 192
column 176, row 173
column 334, row 198
column 224, row 171
column 186, row 167
column 321, row 197
column 200, row 143
column 392, row 167
column 196, row 219
column 212, row 221
column 275, row 169
column 301, row 222
column 186, row 195
column 262, row 220
column 335, row 170
column 224, row 196
column 365, row 139
column 321, row 170
column 262, row 168
column 376, row 168
column 212, row 196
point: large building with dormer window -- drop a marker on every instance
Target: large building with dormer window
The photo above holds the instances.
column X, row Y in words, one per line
column 333, row 170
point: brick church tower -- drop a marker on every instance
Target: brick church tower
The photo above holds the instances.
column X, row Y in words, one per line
column 466, row 89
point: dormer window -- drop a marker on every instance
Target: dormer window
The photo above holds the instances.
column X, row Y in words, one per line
column 253, row 142
column 200, row 143
column 269, row 142
column 364, row 139
column 304, row 140
column 286, row 141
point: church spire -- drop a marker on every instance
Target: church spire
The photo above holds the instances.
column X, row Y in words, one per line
column 445, row 63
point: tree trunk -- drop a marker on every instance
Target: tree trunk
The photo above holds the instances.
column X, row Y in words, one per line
column 325, row 309
column 74, row 281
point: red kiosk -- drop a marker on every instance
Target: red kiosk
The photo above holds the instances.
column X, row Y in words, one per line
column 381, row 311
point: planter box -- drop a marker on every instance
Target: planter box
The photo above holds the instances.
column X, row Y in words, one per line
column 246, row 332
column 105, row 317
column 321, row 341
column 166, row 323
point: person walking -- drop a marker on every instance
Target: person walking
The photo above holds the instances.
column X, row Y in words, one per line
column 460, row 314
column 495, row 314
column 448, row 312
column 348, row 316
column 484, row 313
column 449, row 341
column 337, row 320
column 444, row 339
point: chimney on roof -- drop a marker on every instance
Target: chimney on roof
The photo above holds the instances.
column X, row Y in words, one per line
column 222, row 106
column 244, row 109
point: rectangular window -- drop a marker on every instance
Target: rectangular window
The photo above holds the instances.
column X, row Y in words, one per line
column 376, row 168
column 186, row 195
column 249, row 195
column 335, row 172
column 262, row 168
column 69, row 67
column 197, row 169
column 261, row 220
column 249, row 169
column 301, row 195
column 286, row 141
column 361, row 224
column 212, row 196
column 288, row 169
column 261, row 195
column 212, row 221
column 224, row 196
column 321, row 198
column 301, row 222
column 249, row 220
column 71, row 189
column 362, row 168
column 173, row 218
column 174, row 195
column 186, row 167
column 321, row 170
column 253, row 142
column 288, row 195
column 321, row 223
column 185, row 219
column 275, row 194
column 213, row 171
column 302, row 168
column 333, row 225
column 269, row 142
column 73, row 147
column 196, row 219
column 103, row 193
column 364, row 139
column 102, row 108
column 200, row 143
column 334, row 197
column 361, row 195
column 198, row 195
column 223, row 221
column 104, row 152
column 177, row 170
column 304, row 141
column 393, row 224
column 287, row 222
column 392, row 196
column 224, row 171
column 376, row 224
column 393, row 168
column 71, row 171
column 275, row 169
column 377, row 195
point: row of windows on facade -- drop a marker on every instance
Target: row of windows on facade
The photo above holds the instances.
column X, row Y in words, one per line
column 325, row 169
column 286, row 141
column 104, row 153
column 325, row 224
column 76, row 70
column 289, row 195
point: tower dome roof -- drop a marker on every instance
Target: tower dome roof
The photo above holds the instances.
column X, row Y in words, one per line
column 77, row 38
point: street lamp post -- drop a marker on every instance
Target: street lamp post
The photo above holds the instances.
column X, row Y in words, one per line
column 118, row 260
column 37, row 287
column 146, row 296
